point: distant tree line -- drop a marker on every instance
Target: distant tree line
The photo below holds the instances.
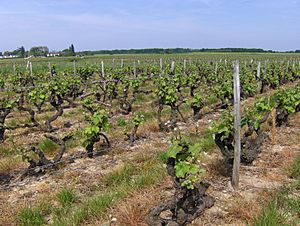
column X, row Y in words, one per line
column 178, row 51
column 43, row 51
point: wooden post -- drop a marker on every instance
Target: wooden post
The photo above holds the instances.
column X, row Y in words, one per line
column 113, row 63
column 139, row 62
column 122, row 63
column 27, row 65
column 103, row 77
column 216, row 69
column 172, row 69
column 134, row 70
column 102, row 69
column 30, row 67
column 74, row 67
column 274, row 126
column 172, row 66
column 49, row 68
column 237, row 127
column 258, row 69
column 161, row 64
column 184, row 66
column 259, row 83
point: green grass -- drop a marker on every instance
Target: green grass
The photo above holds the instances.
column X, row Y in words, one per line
column 208, row 142
column 30, row 217
column 204, row 137
column 295, row 170
column 148, row 115
column 5, row 151
column 48, row 146
column 113, row 187
column 119, row 176
column 121, row 122
column 73, row 143
column 110, row 189
column 140, row 98
column 73, row 113
column 13, row 122
column 284, row 208
column 66, row 196
column 270, row 216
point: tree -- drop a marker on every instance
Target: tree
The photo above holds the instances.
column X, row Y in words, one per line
column 70, row 51
column 22, row 51
column 39, row 51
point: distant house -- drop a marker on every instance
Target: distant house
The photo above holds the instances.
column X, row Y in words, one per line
column 9, row 56
column 53, row 54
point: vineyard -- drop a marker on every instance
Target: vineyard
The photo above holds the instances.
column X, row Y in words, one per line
column 131, row 140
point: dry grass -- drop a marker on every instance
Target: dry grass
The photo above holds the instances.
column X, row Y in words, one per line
column 215, row 167
column 7, row 210
column 275, row 158
column 10, row 163
column 133, row 210
column 245, row 209
column 149, row 127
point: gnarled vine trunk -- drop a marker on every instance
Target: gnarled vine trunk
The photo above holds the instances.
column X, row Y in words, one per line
column 90, row 147
column 3, row 114
column 59, row 110
column 185, row 205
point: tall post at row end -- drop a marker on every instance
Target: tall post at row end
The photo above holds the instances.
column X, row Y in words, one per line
column 102, row 69
column 237, row 127
column 259, row 81
column 172, row 69
column 172, row 66
column 30, row 67
column 134, row 70
column 74, row 68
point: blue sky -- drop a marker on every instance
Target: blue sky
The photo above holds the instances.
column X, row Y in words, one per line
column 122, row 24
